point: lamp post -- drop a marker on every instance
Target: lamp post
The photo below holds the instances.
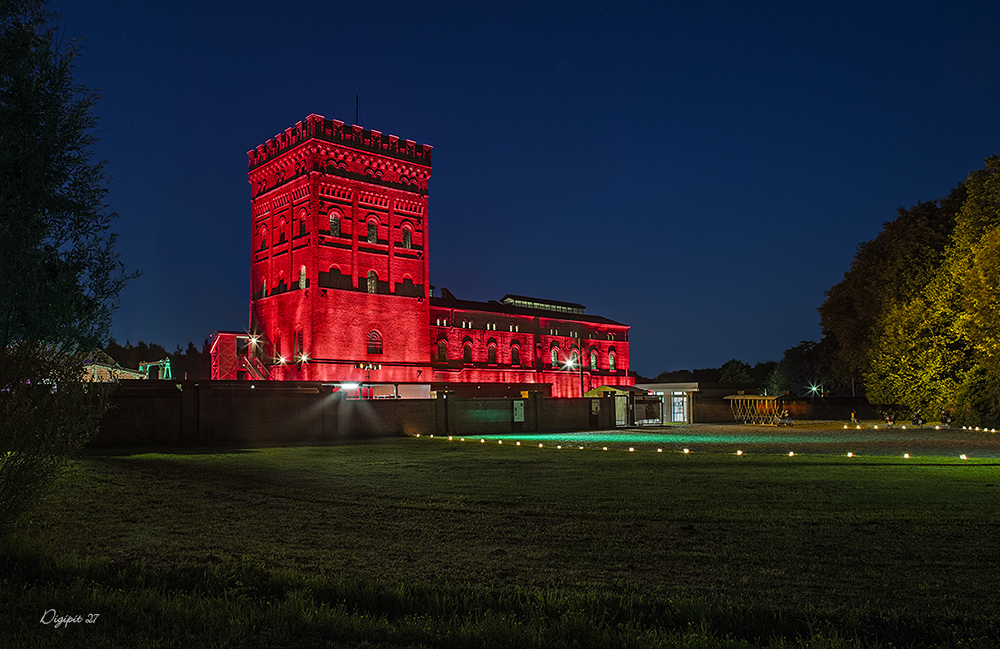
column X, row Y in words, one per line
column 368, row 367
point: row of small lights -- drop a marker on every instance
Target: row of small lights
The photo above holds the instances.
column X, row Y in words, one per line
column 985, row 430
column 631, row 449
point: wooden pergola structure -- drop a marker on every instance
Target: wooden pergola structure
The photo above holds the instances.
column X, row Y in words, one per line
column 757, row 409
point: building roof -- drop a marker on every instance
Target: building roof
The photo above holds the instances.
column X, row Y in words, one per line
column 540, row 303
column 452, row 302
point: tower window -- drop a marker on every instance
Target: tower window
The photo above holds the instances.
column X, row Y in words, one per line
column 491, row 355
column 407, row 238
column 335, row 223
column 372, row 282
column 372, row 232
column 611, row 361
column 374, row 341
column 555, row 357
column 302, row 277
column 442, row 351
column 515, row 356
column 467, row 353
column 593, row 361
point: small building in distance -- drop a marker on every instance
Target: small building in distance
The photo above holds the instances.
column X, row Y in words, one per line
column 101, row 368
column 697, row 401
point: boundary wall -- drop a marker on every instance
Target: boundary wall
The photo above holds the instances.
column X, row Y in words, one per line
column 239, row 412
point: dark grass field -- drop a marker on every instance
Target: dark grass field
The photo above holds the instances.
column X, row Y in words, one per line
column 431, row 542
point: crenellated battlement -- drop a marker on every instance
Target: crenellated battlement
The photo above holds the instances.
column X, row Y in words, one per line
column 337, row 132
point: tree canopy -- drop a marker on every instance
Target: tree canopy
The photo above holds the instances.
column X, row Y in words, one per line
column 918, row 313
column 59, row 273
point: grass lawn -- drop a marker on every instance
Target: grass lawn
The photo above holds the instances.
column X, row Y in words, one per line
column 426, row 542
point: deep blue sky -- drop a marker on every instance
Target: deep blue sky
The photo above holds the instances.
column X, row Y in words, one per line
column 701, row 171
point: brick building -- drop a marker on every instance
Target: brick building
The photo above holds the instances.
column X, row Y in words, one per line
column 340, row 290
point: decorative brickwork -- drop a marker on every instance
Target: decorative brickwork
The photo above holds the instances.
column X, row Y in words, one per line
column 339, row 249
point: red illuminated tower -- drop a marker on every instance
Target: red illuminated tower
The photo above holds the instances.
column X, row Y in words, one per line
column 339, row 254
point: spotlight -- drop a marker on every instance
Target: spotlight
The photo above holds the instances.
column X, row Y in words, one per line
column 539, row 446
column 906, row 456
column 418, row 434
column 500, row 441
column 845, row 426
column 605, row 448
column 963, row 456
column 581, row 448
column 876, row 426
column 631, row 450
column 849, row 454
column 559, row 447
column 686, row 451
column 449, row 438
column 659, row 450
column 791, row 453
column 482, row 441
column 859, row 426
column 739, row 452
column 519, row 443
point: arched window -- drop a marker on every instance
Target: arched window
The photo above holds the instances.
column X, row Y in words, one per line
column 593, row 361
column 491, row 354
column 374, row 341
column 515, row 356
column 263, row 287
column 407, row 238
column 611, row 336
column 335, row 223
column 611, row 361
column 467, row 353
column 372, row 282
column 372, row 232
column 555, row 357
column 442, row 351
column 263, row 237
column 302, row 277
column 302, row 222
column 574, row 359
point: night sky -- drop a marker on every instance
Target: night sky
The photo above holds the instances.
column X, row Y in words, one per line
column 701, row 171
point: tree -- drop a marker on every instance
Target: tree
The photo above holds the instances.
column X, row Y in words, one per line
column 804, row 367
column 734, row 371
column 58, row 269
column 887, row 271
column 938, row 348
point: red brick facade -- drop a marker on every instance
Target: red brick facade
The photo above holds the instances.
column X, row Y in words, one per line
column 339, row 276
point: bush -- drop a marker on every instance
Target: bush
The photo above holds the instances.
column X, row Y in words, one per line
column 47, row 414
